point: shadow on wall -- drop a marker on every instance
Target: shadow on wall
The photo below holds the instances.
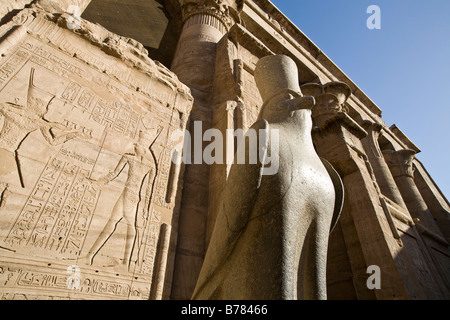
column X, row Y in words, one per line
column 421, row 261
column 147, row 21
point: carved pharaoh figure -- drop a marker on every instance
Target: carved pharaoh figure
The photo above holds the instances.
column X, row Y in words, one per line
column 270, row 239
column 134, row 201
column 19, row 122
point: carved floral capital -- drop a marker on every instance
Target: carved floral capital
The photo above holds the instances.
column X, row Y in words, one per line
column 330, row 99
column 373, row 133
column 400, row 162
column 226, row 11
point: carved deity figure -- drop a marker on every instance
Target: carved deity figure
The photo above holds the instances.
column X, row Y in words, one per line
column 134, row 201
column 270, row 239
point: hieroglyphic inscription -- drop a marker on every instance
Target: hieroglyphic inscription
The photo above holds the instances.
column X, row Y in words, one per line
column 12, row 65
column 53, row 62
column 38, row 279
column 103, row 106
column 159, row 90
column 25, row 278
column 85, row 98
column 151, row 244
column 71, row 92
column 113, row 115
column 116, row 116
column 57, row 214
column 163, row 179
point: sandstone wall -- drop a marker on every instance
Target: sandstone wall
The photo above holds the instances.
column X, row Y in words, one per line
column 88, row 205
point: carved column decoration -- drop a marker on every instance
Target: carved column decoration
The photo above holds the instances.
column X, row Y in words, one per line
column 330, row 99
column 210, row 13
column 401, row 166
column 204, row 24
column 337, row 138
column 381, row 170
column 400, row 162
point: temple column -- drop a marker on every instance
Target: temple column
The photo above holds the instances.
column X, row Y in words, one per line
column 380, row 168
column 337, row 138
column 401, row 166
column 205, row 22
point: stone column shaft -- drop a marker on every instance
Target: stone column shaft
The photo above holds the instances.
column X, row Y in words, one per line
column 337, row 138
column 205, row 23
column 194, row 61
column 401, row 166
column 381, row 170
column 338, row 141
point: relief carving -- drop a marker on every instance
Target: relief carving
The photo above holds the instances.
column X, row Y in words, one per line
column 86, row 178
column 134, row 202
column 20, row 121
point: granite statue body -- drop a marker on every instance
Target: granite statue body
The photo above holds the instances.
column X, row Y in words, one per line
column 270, row 239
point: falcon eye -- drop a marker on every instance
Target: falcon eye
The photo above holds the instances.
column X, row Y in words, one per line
column 288, row 96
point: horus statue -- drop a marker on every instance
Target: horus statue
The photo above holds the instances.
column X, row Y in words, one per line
column 270, row 239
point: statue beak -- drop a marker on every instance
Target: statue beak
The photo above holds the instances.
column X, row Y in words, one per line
column 300, row 103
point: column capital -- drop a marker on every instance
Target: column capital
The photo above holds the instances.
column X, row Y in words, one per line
column 330, row 99
column 373, row 133
column 400, row 162
column 225, row 11
column 372, row 127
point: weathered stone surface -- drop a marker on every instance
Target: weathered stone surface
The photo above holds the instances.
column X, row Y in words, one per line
column 85, row 142
column 11, row 6
column 79, row 102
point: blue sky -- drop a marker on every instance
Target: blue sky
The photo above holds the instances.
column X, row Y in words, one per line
column 404, row 67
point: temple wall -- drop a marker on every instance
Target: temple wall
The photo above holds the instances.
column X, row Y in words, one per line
column 91, row 205
column 88, row 188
